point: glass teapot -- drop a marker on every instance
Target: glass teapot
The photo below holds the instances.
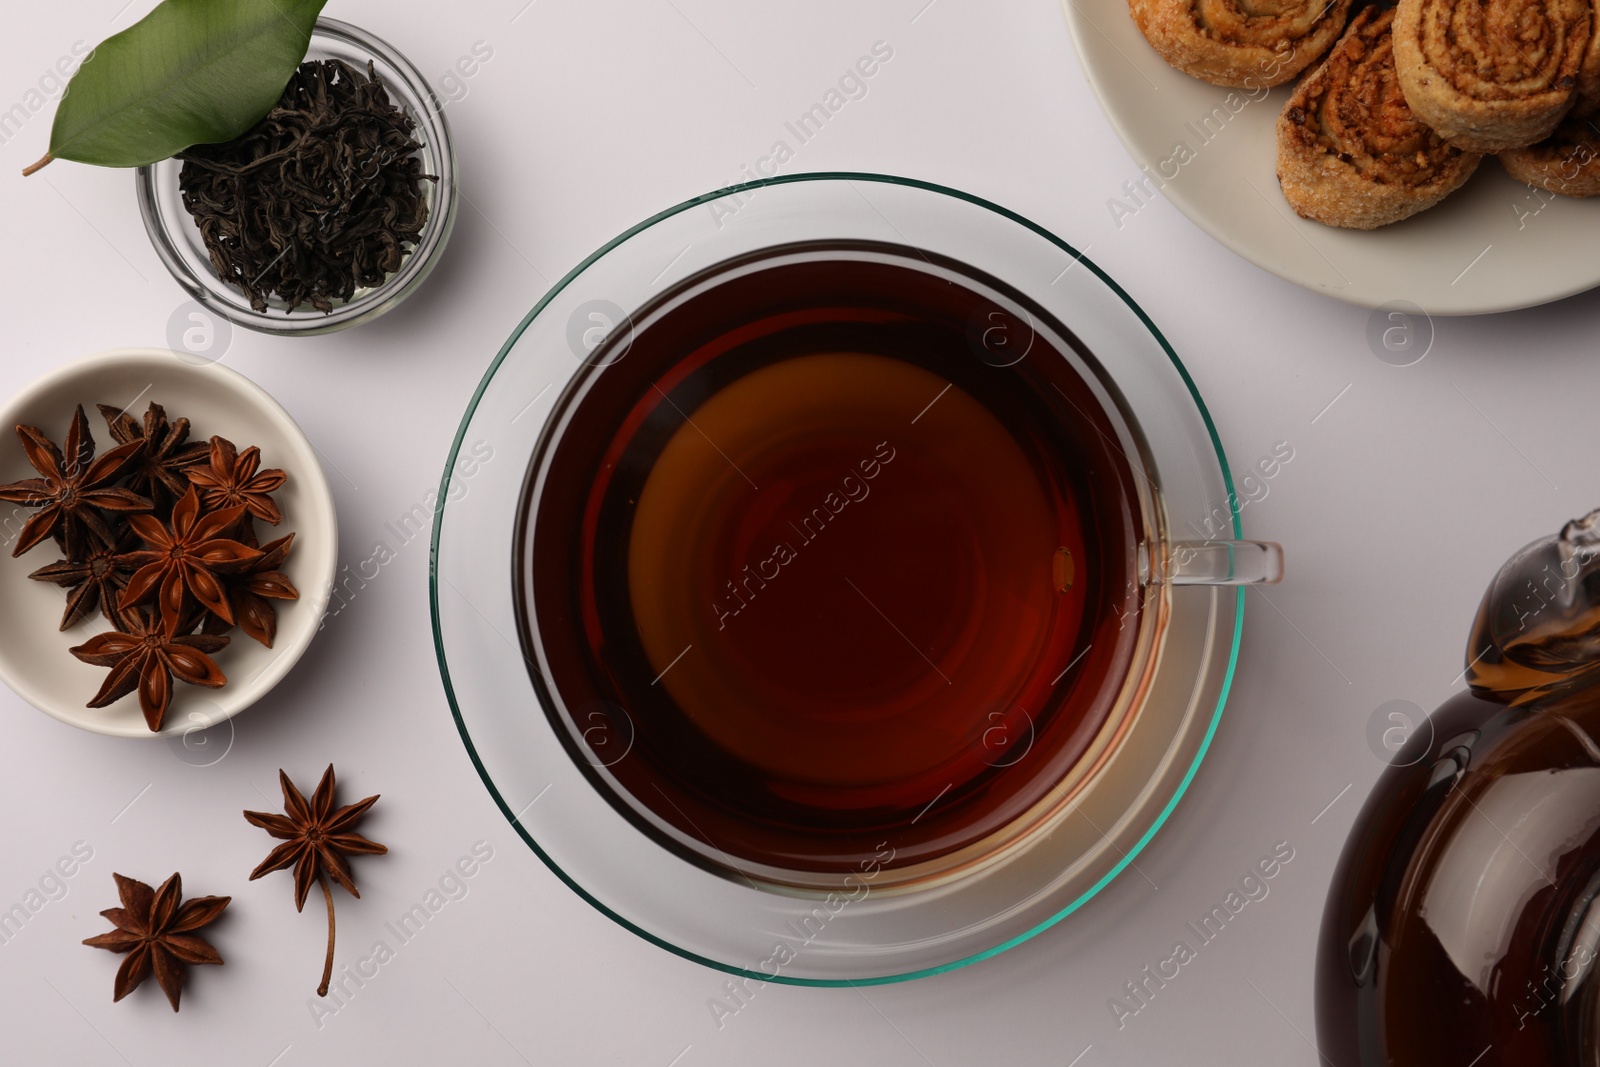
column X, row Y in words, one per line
column 1462, row 926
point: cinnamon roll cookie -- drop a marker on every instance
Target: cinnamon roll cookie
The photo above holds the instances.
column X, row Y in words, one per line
column 1567, row 163
column 1241, row 43
column 1588, row 101
column 1350, row 151
column 1491, row 74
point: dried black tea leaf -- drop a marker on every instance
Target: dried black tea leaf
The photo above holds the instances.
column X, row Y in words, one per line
column 320, row 198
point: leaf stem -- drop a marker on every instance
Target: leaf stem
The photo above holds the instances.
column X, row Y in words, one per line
column 327, row 966
column 38, row 166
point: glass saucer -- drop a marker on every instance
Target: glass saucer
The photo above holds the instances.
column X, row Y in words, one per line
column 876, row 933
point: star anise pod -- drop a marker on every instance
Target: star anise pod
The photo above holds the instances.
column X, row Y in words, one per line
column 94, row 581
column 156, row 928
column 316, row 838
column 158, row 471
column 233, row 479
column 251, row 591
column 72, row 490
column 146, row 654
column 189, row 556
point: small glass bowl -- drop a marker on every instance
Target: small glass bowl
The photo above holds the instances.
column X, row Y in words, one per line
column 178, row 242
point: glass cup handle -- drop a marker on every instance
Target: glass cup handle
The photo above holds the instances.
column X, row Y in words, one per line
column 1212, row 563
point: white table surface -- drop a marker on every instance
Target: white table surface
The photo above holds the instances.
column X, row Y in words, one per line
column 1401, row 500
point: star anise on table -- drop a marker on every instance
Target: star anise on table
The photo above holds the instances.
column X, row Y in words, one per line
column 189, row 556
column 158, row 471
column 234, row 479
column 72, row 489
column 95, row 580
column 251, row 591
column 316, row 839
column 146, row 653
column 156, row 928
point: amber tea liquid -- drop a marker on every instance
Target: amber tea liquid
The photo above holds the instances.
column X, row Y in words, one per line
column 832, row 559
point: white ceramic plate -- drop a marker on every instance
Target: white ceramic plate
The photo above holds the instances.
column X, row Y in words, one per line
column 1494, row 245
column 34, row 660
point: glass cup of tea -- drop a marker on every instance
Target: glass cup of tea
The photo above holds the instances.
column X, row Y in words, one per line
column 869, row 555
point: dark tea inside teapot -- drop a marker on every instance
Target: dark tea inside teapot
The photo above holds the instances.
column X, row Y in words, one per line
column 1461, row 926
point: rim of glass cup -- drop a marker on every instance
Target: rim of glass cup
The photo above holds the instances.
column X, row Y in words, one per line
column 171, row 229
column 1132, row 852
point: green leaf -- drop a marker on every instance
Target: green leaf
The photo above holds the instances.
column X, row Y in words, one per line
column 190, row 72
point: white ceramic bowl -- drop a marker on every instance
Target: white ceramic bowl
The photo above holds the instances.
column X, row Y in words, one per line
column 34, row 657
